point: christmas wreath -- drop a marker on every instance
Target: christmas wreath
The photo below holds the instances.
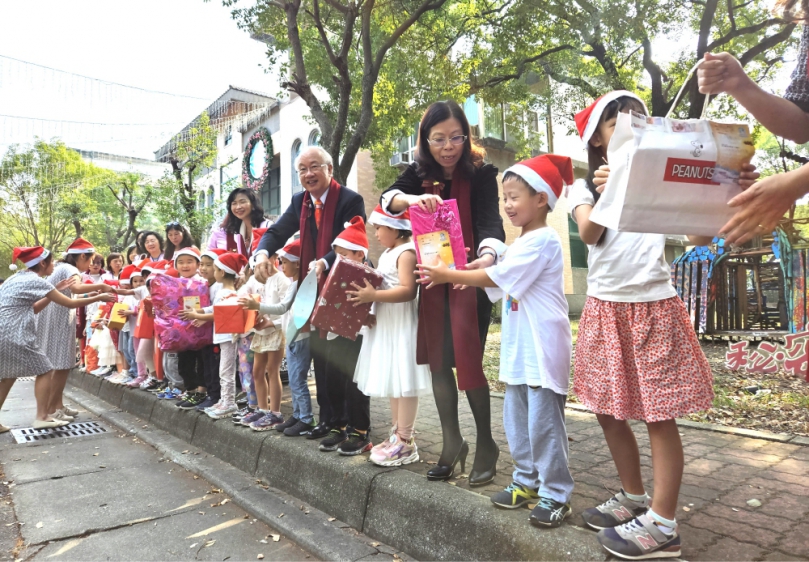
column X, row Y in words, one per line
column 256, row 183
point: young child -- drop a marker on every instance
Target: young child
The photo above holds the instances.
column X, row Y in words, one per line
column 144, row 347
column 387, row 363
column 189, row 362
column 351, row 409
column 299, row 357
column 227, row 268
column 637, row 356
column 210, row 353
column 133, row 275
column 535, row 341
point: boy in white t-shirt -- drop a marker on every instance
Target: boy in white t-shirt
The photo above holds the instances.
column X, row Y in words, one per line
column 536, row 343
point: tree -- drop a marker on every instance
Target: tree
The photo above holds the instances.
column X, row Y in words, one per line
column 120, row 201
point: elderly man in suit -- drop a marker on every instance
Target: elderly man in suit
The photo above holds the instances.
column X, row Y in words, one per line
column 319, row 213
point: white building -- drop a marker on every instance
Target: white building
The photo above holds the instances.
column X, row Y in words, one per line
column 122, row 164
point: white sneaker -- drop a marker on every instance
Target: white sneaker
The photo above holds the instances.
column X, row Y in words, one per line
column 46, row 424
column 60, row 415
column 125, row 372
column 70, row 411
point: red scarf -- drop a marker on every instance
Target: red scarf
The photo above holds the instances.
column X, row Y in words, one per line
column 312, row 250
column 463, row 310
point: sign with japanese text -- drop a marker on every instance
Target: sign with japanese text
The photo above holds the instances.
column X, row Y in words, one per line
column 770, row 357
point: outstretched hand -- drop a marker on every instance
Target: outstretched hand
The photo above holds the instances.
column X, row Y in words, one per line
column 361, row 295
column 66, row 283
column 248, row 303
column 432, row 275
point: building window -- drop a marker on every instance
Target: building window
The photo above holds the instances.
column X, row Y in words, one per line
column 493, row 121
column 271, row 193
column 314, row 138
column 228, row 134
column 201, row 201
column 406, row 149
column 210, row 196
column 296, row 179
column 578, row 249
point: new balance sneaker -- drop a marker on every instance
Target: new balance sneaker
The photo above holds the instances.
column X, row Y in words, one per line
column 289, row 422
column 320, row 431
column 514, row 496
column 396, row 453
column 617, row 510
column 267, row 422
column 356, row 444
column 205, row 404
column 335, row 438
column 253, row 416
column 549, row 513
column 300, row 428
column 640, row 539
column 221, row 411
column 192, row 400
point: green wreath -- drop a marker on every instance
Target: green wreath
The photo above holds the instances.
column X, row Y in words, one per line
column 262, row 135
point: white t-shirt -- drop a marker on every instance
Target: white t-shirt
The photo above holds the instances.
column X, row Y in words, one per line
column 131, row 301
column 625, row 266
column 535, row 341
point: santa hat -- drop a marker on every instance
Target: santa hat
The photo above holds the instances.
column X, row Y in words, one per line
column 231, row 262
column 291, row 251
column 161, row 266
column 257, row 234
column 193, row 252
column 126, row 274
column 353, row 237
column 29, row 256
column 213, row 253
column 80, row 246
column 587, row 120
column 545, row 173
column 380, row 217
column 171, row 272
column 147, row 266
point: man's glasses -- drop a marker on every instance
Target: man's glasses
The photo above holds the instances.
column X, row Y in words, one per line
column 442, row 142
column 314, row 168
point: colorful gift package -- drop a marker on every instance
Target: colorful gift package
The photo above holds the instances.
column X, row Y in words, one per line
column 230, row 318
column 169, row 297
column 439, row 235
column 333, row 311
column 117, row 321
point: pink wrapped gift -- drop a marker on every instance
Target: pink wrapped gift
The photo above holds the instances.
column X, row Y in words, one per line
column 439, row 235
column 168, row 297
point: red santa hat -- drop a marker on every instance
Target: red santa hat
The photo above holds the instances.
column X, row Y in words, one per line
column 213, row 253
column 147, row 266
column 587, row 120
column 171, row 272
column 380, row 217
column 126, row 274
column 257, row 234
column 548, row 173
column 353, row 237
column 193, row 252
column 291, row 251
column 80, row 246
column 231, row 262
column 162, row 265
column 29, row 256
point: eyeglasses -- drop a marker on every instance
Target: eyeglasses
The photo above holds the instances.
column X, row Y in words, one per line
column 172, row 223
column 314, row 168
column 442, row 142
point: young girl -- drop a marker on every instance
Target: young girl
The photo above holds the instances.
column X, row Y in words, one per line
column 637, row 356
column 226, row 269
column 387, row 363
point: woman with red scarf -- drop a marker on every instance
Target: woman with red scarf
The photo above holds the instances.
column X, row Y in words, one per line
column 245, row 215
column 453, row 322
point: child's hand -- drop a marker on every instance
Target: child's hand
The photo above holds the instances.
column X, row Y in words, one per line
column 600, row 177
column 107, row 297
column 127, row 312
column 432, row 274
column 188, row 314
column 362, row 295
column 198, row 323
column 248, row 303
column 262, row 322
column 370, row 321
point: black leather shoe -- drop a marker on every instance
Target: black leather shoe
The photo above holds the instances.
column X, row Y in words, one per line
column 441, row 472
column 320, row 431
column 483, row 477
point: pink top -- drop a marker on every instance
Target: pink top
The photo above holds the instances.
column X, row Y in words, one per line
column 219, row 238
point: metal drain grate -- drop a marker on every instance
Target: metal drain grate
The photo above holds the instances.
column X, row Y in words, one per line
column 78, row 429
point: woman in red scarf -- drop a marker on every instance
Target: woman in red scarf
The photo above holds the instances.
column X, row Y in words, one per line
column 453, row 323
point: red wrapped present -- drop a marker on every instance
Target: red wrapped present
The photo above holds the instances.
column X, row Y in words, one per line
column 333, row 311
column 230, row 318
column 439, row 235
column 144, row 325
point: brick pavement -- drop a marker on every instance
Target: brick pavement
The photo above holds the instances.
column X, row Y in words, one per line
column 722, row 472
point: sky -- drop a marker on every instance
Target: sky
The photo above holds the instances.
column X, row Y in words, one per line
column 183, row 47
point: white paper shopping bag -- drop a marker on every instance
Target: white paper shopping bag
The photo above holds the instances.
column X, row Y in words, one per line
column 672, row 177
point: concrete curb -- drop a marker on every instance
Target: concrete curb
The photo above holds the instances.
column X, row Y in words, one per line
column 428, row 520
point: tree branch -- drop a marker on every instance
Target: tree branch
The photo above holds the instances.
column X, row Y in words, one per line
column 577, row 82
column 743, row 31
column 766, row 44
column 520, row 70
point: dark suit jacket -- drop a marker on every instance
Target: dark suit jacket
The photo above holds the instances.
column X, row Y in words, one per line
column 349, row 205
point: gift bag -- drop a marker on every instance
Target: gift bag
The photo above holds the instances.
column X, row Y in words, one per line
column 169, row 296
column 439, row 235
column 230, row 318
column 672, row 177
column 333, row 311
column 144, row 325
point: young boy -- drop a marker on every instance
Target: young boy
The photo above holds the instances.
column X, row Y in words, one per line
column 210, row 353
column 299, row 357
column 535, row 341
column 130, row 278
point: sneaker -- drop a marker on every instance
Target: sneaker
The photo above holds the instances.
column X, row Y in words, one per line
column 207, row 403
column 333, row 441
column 617, row 510
column 193, row 400
column 300, row 428
column 153, row 385
column 267, row 422
column 356, row 444
column 252, row 417
column 549, row 513
column 125, row 372
column 514, row 496
column 320, row 431
column 97, row 372
column 289, row 422
column 221, row 411
column 239, row 414
column 640, row 539
column 397, row 453
column 61, row 416
column 136, row 382
column 70, row 411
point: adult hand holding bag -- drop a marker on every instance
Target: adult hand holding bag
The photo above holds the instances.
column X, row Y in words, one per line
column 669, row 176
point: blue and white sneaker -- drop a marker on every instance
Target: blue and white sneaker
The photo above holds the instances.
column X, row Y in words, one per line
column 640, row 539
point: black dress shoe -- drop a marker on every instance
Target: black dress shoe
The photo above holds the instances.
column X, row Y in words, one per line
column 320, row 431
column 442, row 472
column 483, row 477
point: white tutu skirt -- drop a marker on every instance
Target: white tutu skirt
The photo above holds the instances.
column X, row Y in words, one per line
column 387, row 367
column 102, row 342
